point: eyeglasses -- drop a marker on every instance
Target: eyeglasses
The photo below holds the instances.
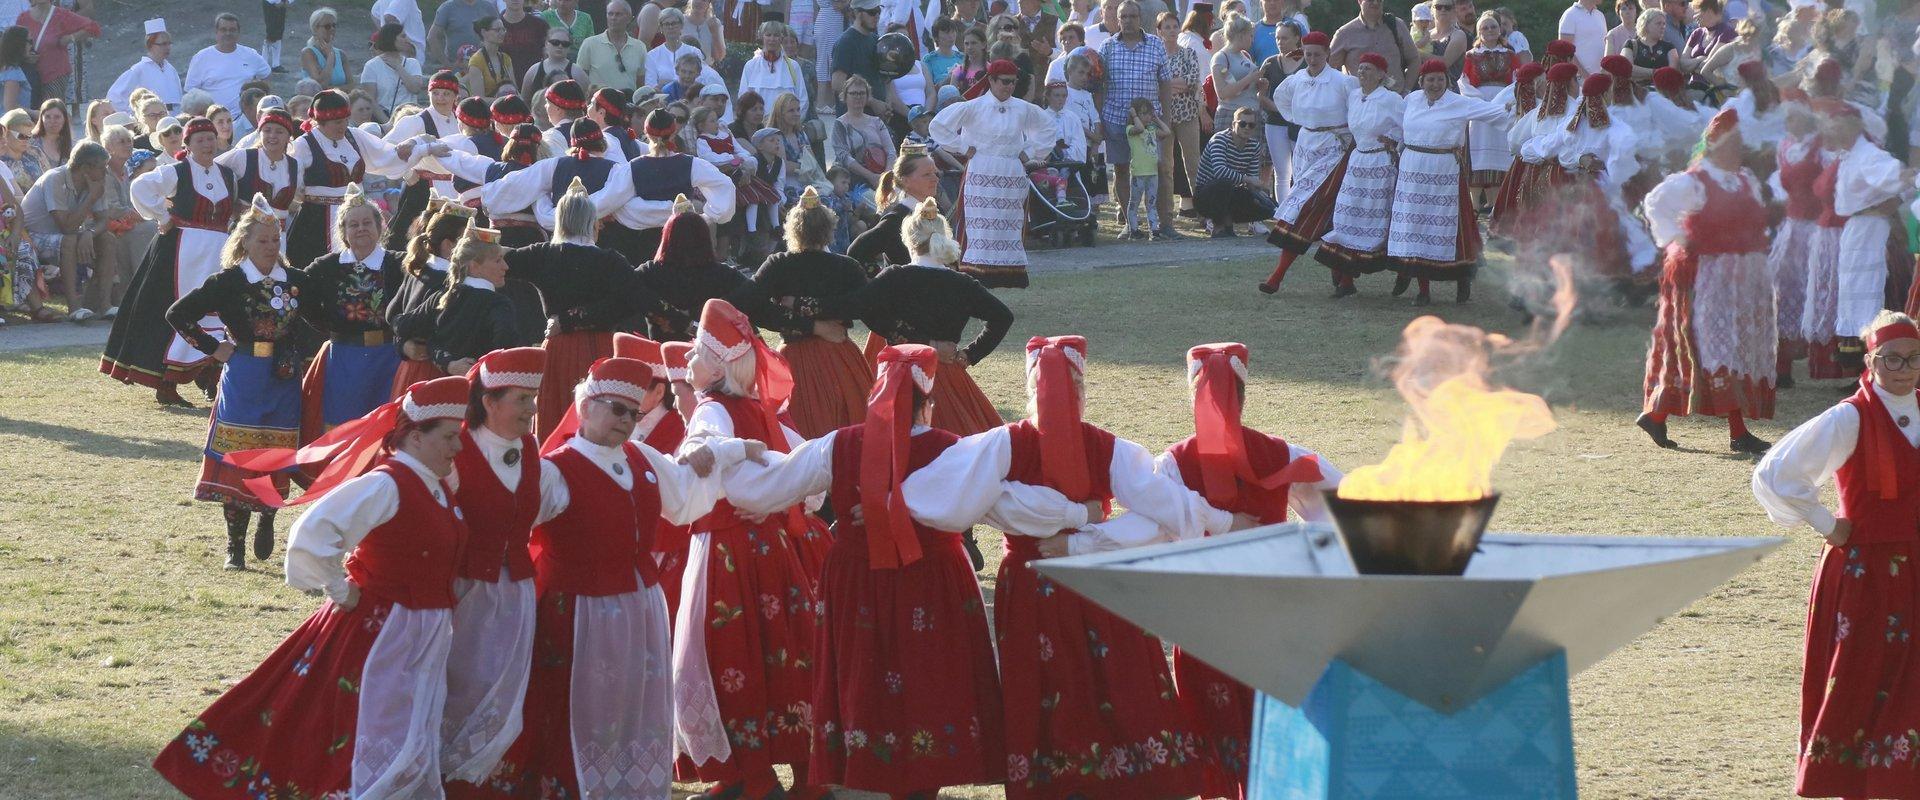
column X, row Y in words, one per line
column 620, row 410
column 1898, row 363
column 1245, row 125
column 559, row 43
column 324, row 26
column 1005, row 80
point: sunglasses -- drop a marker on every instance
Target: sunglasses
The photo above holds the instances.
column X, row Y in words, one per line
column 1245, row 125
column 560, row 42
column 1006, row 80
column 620, row 410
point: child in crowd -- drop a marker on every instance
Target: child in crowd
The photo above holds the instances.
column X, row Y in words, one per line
column 772, row 171
column 849, row 214
column 686, row 75
column 945, row 54
column 1144, row 132
column 1079, row 71
column 715, row 144
column 1069, row 145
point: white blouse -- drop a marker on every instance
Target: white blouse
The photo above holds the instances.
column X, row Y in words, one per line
column 1000, row 128
column 1374, row 118
column 382, row 158
column 1442, row 124
column 336, row 523
column 631, row 210
column 152, row 191
column 684, row 495
column 1868, row 177
column 1132, row 530
column 1613, row 145
column 1787, row 481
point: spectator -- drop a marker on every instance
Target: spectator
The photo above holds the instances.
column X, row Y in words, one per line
column 1235, row 72
column 1451, row 37
column 556, row 66
column 1586, row 26
column 452, row 37
column 406, row 14
column 16, row 91
column 489, row 69
column 771, row 71
column 1628, row 12
column 1516, row 41
column 973, row 59
column 1649, row 49
column 1279, row 131
column 1038, row 30
column 167, row 139
column 66, row 214
column 1679, row 22
column 1136, row 63
column 53, row 29
column 1273, row 14
column 152, row 71
column 320, row 60
column 615, row 59
column 362, row 109
column 394, row 80
column 221, row 69
column 859, row 142
column 222, row 120
column 1713, row 33
column 803, row 168
column 22, row 269
column 135, row 232
column 829, row 20
column 1103, row 28
column 565, row 15
column 1422, row 23
column 1229, row 190
column 713, row 94
column 1375, row 31
column 52, row 131
column 661, row 60
column 151, row 112
column 22, row 160
column 913, row 88
column 705, row 30
column 1186, row 116
column 750, row 115
column 95, row 119
column 274, row 13
column 946, row 55
column 1793, row 40
column 526, row 37
column 686, row 79
column 853, row 52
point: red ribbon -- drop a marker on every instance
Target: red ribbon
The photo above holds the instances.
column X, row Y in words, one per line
column 1063, row 446
column 1222, row 441
column 349, row 450
column 887, row 433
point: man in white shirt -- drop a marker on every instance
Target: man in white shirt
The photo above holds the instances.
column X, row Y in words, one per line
column 223, row 68
column 152, row 72
column 1586, row 26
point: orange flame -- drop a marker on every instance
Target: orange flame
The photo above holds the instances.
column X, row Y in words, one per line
column 1458, row 425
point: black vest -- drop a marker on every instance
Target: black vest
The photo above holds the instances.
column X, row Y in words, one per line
column 592, row 171
column 661, row 178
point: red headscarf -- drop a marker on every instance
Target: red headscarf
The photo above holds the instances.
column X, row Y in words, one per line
column 1217, row 371
column 1052, row 364
column 731, row 335
column 899, row 372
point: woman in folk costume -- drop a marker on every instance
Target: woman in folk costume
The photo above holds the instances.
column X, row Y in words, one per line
column 1315, row 98
column 541, row 185
column 1487, row 73
column 743, row 640
column 598, row 719
column 1256, row 477
column 437, row 121
column 642, row 194
column 1520, row 99
column 332, row 155
column 1003, row 135
column 350, row 705
column 489, row 141
column 1624, row 108
column 1858, row 703
column 831, row 377
column 267, row 170
column 478, row 171
column 1713, row 336
column 1436, row 232
column 1357, row 242
column 1583, row 216
column 195, row 201
column 1763, row 117
column 470, row 317
column 420, row 291
column 259, row 301
column 1799, row 168
column 1847, row 275
column 1523, row 193
column 906, row 697
column 349, row 291
column 914, row 178
column 1088, row 711
column 662, row 428
column 684, row 273
column 670, row 541
column 1679, row 122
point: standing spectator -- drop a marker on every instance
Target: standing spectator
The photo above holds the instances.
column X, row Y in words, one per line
column 706, row 31
column 16, row 88
column 661, row 59
column 1273, row 14
column 565, row 15
column 275, row 14
column 406, row 14
column 489, row 69
column 67, row 215
column 555, row 67
column 526, row 35
column 1039, row 30
column 829, row 19
column 945, row 55
column 1375, row 31
column 452, row 37
column 53, row 29
column 1628, row 11
column 1187, row 117
column 615, row 59
column 1279, row 131
column 1234, row 72
column 1136, row 63
column 1584, row 24
column 1229, row 190
column 221, row 69
column 771, row 71
column 973, row 59
column 320, row 60
column 1679, row 22
column 393, row 79
column 853, row 52
column 153, row 72
column 1144, row 134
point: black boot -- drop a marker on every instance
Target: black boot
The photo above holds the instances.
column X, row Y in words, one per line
column 1749, row 443
column 1656, row 431
column 973, row 551
column 263, row 537
column 1463, row 290
column 236, row 537
column 209, row 381
column 1400, row 284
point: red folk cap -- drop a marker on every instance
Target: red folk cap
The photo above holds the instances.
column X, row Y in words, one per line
column 515, row 367
column 620, row 378
column 1315, row 39
column 641, row 349
column 1052, row 363
column 1217, row 371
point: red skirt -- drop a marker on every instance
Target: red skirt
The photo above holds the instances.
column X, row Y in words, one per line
column 289, row 725
column 568, row 357
column 831, row 381
column 1090, row 705
column 1860, row 683
column 959, row 406
column 1316, row 216
column 670, row 552
column 1223, row 710
column 906, row 694
column 1676, row 382
column 1508, row 200
column 762, row 622
column 412, row 372
column 811, row 544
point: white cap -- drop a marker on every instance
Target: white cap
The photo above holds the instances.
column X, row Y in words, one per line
column 714, row 90
column 156, row 25
column 1423, row 12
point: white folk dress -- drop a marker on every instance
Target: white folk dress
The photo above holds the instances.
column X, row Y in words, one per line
column 199, row 255
column 429, row 168
column 1868, row 177
column 1616, row 147
column 1360, row 210
column 1001, row 134
column 1318, row 104
column 1429, row 217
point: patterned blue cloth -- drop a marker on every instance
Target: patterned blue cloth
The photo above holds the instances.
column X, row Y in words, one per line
column 1133, row 72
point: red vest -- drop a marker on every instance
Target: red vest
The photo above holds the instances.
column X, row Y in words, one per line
column 410, row 559
column 748, row 423
column 1729, row 222
column 1824, row 187
column 922, row 449
column 1266, row 454
column 498, row 522
column 605, row 537
column 1797, row 178
column 1877, row 520
column 1026, row 468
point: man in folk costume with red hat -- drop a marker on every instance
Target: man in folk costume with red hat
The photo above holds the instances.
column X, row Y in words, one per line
column 1713, row 336
column 351, row 703
column 1315, row 98
column 999, row 136
column 1859, row 694
column 1088, row 708
column 1861, row 186
column 439, row 120
column 743, row 639
column 196, row 200
column 906, row 697
column 1436, row 232
column 643, row 192
column 332, row 155
column 600, row 702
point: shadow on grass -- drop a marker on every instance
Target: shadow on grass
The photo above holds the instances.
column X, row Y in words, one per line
column 82, row 440
column 47, row 765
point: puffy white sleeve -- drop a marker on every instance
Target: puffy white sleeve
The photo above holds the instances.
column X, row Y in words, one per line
column 947, row 124
column 1283, row 95
column 1165, row 500
column 709, row 421
column 152, row 193
column 406, row 128
column 1622, row 159
column 334, row 525
column 121, row 91
column 716, row 188
column 1545, row 146
column 234, row 159
column 1306, row 498
column 684, row 495
column 1036, row 511
column 1039, row 132
column 1677, row 196
column 959, row 487
column 519, row 190
column 382, row 158
column 1478, row 110
column 1787, row 481
column 615, row 192
column 785, row 480
column 554, row 495
column 469, row 167
column 1867, row 180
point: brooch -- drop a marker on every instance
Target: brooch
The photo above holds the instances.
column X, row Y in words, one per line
column 512, row 457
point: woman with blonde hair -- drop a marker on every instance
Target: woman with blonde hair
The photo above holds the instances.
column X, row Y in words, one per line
column 831, row 379
column 786, row 116
column 97, row 113
column 426, row 265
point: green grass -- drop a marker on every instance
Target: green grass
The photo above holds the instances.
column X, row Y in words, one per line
column 117, row 624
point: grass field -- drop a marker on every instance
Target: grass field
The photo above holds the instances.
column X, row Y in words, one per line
column 117, row 624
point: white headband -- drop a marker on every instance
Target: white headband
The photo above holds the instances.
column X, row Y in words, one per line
column 419, row 413
column 621, row 389
column 1239, row 368
column 500, row 380
column 726, row 353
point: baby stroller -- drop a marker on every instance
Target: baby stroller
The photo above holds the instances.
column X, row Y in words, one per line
column 1061, row 208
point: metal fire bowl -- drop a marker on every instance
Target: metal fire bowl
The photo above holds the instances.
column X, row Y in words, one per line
column 1408, row 537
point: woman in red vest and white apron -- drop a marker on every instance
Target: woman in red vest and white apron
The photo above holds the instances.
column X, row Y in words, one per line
column 1859, row 687
column 1088, row 707
column 351, row 703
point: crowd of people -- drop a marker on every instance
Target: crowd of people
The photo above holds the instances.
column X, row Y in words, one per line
column 499, row 298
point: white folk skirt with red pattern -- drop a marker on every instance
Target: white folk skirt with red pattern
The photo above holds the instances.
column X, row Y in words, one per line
column 993, row 203
column 1822, row 304
column 1787, row 263
column 1713, row 344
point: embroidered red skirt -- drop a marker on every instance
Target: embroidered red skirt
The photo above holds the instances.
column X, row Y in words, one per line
column 568, row 357
column 906, row 694
column 831, row 381
column 1222, row 708
column 1860, row 683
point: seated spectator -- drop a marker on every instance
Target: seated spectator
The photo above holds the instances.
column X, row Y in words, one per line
column 166, row 140
column 52, row 131
column 762, row 219
column 803, row 165
column 363, row 109
column 124, row 163
column 1230, row 189
column 848, row 219
column 860, row 142
column 320, row 60
column 686, row 83
column 489, row 70
column 750, row 114
column 67, row 215
column 713, row 94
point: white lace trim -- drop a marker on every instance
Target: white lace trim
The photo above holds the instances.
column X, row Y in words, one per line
column 922, row 379
column 1079, row 359
column 419, row 413
column 734, row 353
column 621, row 389
column 499, row 380
column 1239, row 368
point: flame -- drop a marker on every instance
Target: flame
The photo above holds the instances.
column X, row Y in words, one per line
column 1458, row 425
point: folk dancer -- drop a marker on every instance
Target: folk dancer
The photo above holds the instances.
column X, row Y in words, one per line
column 1436, row 231
column 1004, row 135
column 1315, row 98
column 641, row 192
column 1860, row 187
column 434, row 122
column 347, row 299
column 331, row 156
column 1356, row 244
column 1799, row 167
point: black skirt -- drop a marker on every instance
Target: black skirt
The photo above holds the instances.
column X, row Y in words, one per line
column 311, row 235
column 136, row 349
